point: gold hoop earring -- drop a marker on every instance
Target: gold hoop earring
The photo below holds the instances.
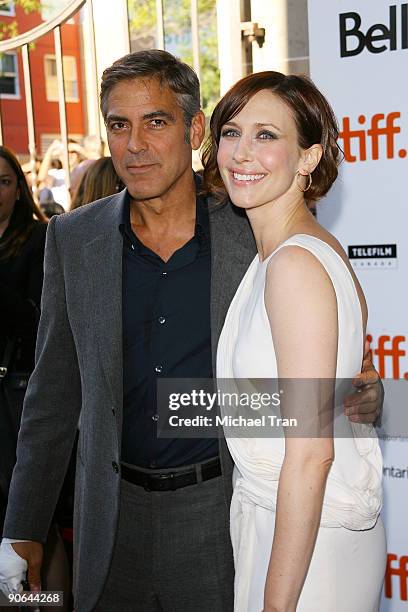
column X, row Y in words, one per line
column 309, row 183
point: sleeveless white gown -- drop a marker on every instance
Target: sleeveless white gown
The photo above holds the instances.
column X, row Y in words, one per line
column 348, row 563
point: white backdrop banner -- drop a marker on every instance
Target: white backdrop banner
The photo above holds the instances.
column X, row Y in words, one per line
column 359, row 59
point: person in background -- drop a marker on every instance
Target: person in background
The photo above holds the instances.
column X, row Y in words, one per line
column 48, row 205
column 28, row 171
column 77, row 175
column 98, row 181
column 22, row 242
column 94, row 147
column 51, row 173
column 44, row 197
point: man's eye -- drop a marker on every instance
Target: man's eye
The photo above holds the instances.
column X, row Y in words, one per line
column 116, row 126
column 157, row 123
column 229, row 133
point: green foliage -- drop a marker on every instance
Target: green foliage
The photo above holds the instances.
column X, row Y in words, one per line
column 177, row 27
column 9, row 29
column 29, row 5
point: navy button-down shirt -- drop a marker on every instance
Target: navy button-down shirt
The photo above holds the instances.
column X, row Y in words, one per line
column 166, row 333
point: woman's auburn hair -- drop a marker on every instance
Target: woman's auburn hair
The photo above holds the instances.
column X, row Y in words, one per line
column 25, row 211
column 98, row 181
column 313, row 115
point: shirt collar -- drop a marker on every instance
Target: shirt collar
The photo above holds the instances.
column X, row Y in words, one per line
column 202, row 225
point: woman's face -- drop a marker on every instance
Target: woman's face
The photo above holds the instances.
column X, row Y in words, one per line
column 9, row 191
column 258, row 154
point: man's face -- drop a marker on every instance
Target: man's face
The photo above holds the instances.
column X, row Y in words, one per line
column 146, row 136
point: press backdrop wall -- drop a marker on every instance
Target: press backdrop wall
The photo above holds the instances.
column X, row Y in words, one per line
column 359, row 59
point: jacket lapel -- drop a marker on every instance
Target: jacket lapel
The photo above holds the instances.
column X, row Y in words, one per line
column 232, row 250
column 103, row 255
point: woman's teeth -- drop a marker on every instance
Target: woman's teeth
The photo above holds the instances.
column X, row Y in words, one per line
column 247, row 177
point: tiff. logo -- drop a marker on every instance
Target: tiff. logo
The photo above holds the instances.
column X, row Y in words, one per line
column 396, row 566
column 388, row 350
column 381, row 127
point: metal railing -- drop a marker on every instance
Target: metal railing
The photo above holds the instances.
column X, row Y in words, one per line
column 23, row 41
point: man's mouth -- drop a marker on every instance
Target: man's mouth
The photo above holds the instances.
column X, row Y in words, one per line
column 139, row 168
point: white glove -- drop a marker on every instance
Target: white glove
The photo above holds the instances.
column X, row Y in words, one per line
column 13, row 569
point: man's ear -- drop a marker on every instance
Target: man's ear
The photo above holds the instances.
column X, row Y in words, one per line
column 310, row 159
column 197, row 130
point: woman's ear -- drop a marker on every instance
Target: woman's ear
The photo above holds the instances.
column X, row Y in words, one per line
column 310, row 159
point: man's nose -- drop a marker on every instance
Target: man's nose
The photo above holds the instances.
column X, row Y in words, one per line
column 243, row 150
column 137, row 141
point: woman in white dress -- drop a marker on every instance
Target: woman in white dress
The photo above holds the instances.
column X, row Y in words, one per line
column 305, row 524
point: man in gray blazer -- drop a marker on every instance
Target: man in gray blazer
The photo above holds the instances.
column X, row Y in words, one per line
column 136, row 288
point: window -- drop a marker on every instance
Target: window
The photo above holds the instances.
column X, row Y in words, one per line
column 7, row 8
column 9, row 86
column 178, row 38
column 70, row 78
column 51, row 8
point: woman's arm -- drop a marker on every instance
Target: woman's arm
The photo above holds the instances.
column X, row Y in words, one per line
column 302, row 310
column 54, row 150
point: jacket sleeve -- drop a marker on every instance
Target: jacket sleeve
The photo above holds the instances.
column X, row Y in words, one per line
column 51, row 411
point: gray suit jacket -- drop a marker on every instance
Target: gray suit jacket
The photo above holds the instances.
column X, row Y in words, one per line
column 79, row 371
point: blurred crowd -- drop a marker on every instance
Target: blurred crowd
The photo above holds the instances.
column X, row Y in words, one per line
column 87, row 162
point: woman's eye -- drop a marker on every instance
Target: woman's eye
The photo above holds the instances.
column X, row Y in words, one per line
column 265, row 135
column 229, row 132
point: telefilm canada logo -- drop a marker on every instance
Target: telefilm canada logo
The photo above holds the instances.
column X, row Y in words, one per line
column 373, row 256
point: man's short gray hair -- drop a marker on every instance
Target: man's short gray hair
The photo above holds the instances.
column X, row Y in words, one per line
column 161, row 65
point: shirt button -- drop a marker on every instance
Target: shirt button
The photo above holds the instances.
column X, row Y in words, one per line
column 158, row 369
column 161, row 320
column 155, row 417
column 115, row 467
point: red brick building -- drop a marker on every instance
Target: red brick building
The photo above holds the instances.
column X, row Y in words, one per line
column 44, row 84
